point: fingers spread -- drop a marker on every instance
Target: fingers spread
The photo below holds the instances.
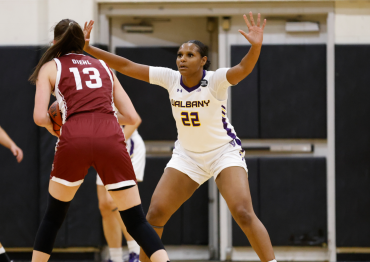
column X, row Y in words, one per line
column 246, row 21
column 258, row 19
column 243, row 33
column 264, row 24
column 251, row 18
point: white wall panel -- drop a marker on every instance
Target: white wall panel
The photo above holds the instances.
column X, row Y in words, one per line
column 20, row 21
column 29, row 22
column 352, row 21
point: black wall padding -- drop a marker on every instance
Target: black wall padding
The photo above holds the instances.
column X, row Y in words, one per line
column 245, row 98
column 19, row 216
column 151, row 102
column 352, row 150
column 293, row 200
column 195, row 218
column 293, row 91
column 189, row 224
column 239, row 238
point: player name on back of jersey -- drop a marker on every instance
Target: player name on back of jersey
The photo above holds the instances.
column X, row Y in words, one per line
column 81, row 62
column 189, row 103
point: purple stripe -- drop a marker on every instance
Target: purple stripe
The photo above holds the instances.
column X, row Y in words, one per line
column 223, row 112
column 132, row 147
column 228, row 130
column 223, row 107
column 191, row 89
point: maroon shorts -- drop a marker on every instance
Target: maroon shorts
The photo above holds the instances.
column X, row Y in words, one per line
column 92, row 139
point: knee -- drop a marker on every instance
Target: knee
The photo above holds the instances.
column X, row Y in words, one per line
column 157, row 215
column 106, row 207
column 243, row 216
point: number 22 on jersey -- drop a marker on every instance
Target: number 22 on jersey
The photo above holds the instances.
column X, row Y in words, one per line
column 95, row 76
column 192, row 121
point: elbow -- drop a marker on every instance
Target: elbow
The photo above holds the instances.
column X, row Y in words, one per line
column 135, row 119
column 39, row 120
column 132, row 119
column 138, row 120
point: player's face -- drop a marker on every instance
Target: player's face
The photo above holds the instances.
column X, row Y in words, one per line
column 189, row 60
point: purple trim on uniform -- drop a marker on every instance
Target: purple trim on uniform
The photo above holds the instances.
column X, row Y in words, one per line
column 191, row 89
column 223, row 107
column 132, row 147
column 228, row 130
column 223, row 112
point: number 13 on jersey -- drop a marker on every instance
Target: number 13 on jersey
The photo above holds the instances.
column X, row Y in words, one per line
column 190, row 118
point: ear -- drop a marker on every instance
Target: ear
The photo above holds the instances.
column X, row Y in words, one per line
column 54, row 42
column 204, row 60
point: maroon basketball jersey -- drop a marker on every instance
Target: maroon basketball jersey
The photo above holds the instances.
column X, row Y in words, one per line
column 83, row 84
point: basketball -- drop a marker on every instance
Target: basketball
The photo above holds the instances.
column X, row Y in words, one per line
column 56, row 117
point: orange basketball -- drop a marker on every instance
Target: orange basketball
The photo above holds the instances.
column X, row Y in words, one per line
column 56, row 117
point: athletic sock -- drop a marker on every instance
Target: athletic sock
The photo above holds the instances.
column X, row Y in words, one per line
column 133, row 246
column 116, row 254
column 3, row 256
column 274, row 260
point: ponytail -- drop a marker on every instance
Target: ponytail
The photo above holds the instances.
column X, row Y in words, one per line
column 68, row 37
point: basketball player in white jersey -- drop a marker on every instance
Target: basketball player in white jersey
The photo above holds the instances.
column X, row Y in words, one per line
column 6, row 141
column 113, row 225
column 207, row 144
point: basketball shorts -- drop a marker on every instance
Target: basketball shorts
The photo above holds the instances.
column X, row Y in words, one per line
column 92, row 139
column 137, row 152
column 202, row 166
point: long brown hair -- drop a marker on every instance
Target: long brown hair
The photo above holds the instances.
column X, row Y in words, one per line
column 69, row 38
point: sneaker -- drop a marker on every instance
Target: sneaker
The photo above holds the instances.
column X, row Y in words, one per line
column 133, row 257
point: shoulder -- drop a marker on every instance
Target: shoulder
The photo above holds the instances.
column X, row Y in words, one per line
column 49, row 67
column 163, row 70
column 163, row 76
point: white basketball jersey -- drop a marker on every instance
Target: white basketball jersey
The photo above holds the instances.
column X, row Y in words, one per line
column 201, row 119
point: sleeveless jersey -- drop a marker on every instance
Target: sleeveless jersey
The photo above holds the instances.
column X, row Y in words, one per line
column 201, row 120
column 83, row 84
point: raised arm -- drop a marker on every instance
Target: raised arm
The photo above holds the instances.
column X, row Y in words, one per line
column 128, row 114
column 6, row 141
column 255, row 37
column 118, row 63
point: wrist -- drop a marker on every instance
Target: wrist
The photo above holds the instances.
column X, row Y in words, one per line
column 257, row 46
column 87, row 47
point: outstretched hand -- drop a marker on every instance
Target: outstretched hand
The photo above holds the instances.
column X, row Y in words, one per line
column 87, row 31
column 255, row 34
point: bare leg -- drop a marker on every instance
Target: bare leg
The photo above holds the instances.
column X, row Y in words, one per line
column 61, row 193
column 172, row 191
column 234, row 187
column 111, row 224
column 128, row 198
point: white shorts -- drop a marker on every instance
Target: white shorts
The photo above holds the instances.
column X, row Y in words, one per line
column 202, row 166
column 137, row 152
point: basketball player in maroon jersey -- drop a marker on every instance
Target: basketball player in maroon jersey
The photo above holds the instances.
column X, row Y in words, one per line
column 86, row 89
